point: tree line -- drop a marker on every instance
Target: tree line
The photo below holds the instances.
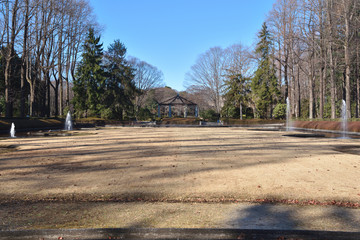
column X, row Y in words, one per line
column 40, row 44
column 43, row 47
column 307, row 51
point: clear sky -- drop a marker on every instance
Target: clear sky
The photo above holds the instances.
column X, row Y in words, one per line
column 171, row 34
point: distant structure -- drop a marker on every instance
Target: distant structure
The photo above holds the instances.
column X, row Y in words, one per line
column 177, row 106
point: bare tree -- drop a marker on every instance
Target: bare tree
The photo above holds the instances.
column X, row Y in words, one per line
column 308, row 30
column 238, row 60
column 12, row 30
column 207, row 75
column 330, row 43
column 283, row 22
column 348, row 9
column 146, row 77
column 48, row 34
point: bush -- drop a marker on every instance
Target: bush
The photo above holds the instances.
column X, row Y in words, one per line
column 230, row 111
column 210, row 115
column 280, row 111
column 107, row 113
column 144, row 114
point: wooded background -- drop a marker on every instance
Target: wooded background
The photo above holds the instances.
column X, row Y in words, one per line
column 306, row 51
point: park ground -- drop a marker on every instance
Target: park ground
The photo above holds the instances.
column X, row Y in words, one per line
column 180, row 177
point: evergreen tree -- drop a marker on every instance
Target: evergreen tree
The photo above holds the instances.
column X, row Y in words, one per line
column 236, row 91
column 119, row 86
column 90, row 80
column 264, row 83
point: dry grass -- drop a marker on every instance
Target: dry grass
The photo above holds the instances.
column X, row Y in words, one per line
column 170, row 166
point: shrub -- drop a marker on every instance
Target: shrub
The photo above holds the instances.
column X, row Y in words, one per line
column 107, row 113
column 210, row 115
column 144, row 114
column 280, row 111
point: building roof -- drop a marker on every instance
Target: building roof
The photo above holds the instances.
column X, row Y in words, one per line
column 178, row 100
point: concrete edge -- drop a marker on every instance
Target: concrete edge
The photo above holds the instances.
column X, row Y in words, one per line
column 173, row 233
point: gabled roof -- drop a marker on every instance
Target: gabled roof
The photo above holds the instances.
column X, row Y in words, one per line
column 178, row 100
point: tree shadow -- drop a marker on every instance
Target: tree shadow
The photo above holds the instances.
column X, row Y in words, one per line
column 293, row 217
column 263, row 216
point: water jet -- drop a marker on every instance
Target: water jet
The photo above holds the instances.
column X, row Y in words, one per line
column 12, row 130
column 344, row 120
column 288, row 124
column 68, row 122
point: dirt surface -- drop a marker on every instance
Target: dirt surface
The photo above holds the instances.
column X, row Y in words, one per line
column 177, row 177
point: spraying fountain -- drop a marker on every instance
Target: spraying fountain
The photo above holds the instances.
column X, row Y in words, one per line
column 12, row 130
column 344, row 119
column 68, row 122
column 288, row 127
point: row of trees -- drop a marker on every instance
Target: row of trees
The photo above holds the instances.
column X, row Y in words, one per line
column 307, row 51
column 49, row 47
column 40, row 43
column 317, row 54
column 109, row 85
column 104, row 81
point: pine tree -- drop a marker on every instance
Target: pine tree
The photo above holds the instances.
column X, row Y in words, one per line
column 119, row 86
column 264, row 83
column 90, row 80
column 236, row 91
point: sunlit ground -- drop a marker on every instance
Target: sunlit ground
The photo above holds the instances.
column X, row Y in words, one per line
column 180, row 177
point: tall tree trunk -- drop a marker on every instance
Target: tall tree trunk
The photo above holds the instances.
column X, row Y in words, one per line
column 331, row 60
column 357, row 80
column 347, row 19
column 280, row 68
column 332, row 83
column 32, row 99
column 321, row 86
column 10, row 53
column 286, row 76
column 23, row 61
column 7, row 75
column 321, row 92
column 292, row 84
column 241, row 110
column 298, row 92
column 48, row 96
column 60, row 69
column 55, row 87
column 322, row 61
column 311, row 90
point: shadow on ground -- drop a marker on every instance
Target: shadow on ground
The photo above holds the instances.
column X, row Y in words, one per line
column 287, row 217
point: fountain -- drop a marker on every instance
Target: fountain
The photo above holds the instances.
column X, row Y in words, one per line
column 12, row 130
column 344, row 119
column 68, row 122
column 288, row 127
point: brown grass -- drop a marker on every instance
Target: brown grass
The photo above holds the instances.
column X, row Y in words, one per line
column 175, row 166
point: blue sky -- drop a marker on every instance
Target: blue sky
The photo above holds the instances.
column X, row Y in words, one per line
column 171, row 34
